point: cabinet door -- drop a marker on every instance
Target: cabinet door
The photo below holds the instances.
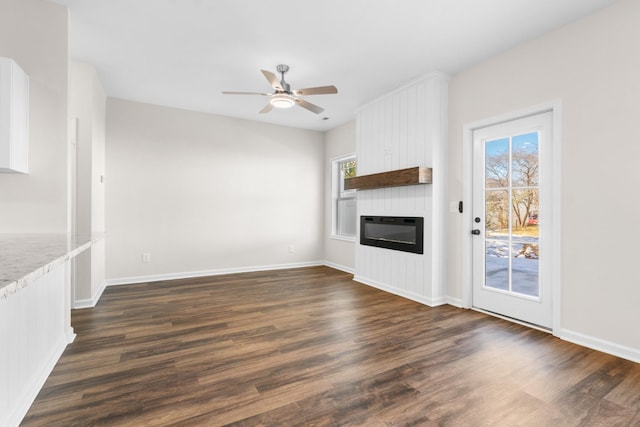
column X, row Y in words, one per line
column 14, row 117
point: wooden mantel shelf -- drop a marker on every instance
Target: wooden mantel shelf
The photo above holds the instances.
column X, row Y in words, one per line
column 396, row 178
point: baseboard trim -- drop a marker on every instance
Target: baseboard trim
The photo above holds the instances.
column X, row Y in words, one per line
column 629, row 353
column 71, row 335
column 340, row 267
column 431, row 302
column 456, row 302
column 90, row 302
column 204, row 273
column 27, row 400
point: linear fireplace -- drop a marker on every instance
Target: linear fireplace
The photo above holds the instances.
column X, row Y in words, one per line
column 393, row 232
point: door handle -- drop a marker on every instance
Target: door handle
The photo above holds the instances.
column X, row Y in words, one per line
column 475, row 232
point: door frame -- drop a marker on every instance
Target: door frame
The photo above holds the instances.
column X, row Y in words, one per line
column 553, row 251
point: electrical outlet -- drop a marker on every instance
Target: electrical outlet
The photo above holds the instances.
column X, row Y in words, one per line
column 292, row 248
column 146, row 257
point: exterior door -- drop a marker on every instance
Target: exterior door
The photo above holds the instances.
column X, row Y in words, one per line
column 509, row 211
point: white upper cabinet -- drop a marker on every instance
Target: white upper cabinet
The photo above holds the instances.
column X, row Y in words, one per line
column 14, row 117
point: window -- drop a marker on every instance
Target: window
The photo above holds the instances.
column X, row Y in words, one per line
column 344, row 201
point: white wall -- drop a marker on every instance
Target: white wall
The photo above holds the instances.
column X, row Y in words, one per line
column 592, row 66
column 34, row 34
column 201, row 192
column 339, row 142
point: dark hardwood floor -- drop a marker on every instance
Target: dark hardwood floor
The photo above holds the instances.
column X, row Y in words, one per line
column 311, row 347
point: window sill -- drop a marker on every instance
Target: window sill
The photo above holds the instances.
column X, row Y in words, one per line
column 343, row 238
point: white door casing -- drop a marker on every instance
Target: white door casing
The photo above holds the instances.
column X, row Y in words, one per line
column 538, row 310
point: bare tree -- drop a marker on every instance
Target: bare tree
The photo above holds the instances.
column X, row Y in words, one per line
column 525, row 167
column 522, row 174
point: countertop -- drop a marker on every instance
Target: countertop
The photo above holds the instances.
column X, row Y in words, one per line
column 26, row 257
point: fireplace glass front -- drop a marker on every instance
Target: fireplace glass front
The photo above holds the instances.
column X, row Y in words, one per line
column 393, row 232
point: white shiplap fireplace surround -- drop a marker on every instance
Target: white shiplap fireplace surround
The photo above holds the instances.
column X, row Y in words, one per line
column 403, row 129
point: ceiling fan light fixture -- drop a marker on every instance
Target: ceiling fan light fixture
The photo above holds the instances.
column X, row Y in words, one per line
column 282, row 100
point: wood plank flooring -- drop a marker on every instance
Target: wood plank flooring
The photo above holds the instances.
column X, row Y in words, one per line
column 311, row 347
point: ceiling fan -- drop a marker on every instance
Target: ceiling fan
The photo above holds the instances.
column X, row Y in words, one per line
column 284, row 97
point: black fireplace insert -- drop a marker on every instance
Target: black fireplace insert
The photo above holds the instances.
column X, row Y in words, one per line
column 393, row 232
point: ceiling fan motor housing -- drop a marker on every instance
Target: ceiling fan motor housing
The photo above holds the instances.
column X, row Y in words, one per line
column 282, row 68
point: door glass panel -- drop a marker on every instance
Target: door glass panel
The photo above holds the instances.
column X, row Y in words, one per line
column 524, row 160
column 497, row 264
column 497, row 214
column 524, row 268
column 497, row 239
column 511, row 214
column 497, row 163
column 525, row 206
column 525, row 244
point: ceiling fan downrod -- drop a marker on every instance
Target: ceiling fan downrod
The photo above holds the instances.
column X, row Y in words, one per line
column 282, row 69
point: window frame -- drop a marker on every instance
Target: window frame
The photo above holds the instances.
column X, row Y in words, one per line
column 339, row 193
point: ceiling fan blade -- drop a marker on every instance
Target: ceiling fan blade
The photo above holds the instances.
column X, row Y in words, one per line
column 309, row 106
column 272, row 79
column 321, row 90
column 266, row 108
column 246, row 93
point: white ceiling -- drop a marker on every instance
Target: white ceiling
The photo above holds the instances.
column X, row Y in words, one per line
column 184, row 53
